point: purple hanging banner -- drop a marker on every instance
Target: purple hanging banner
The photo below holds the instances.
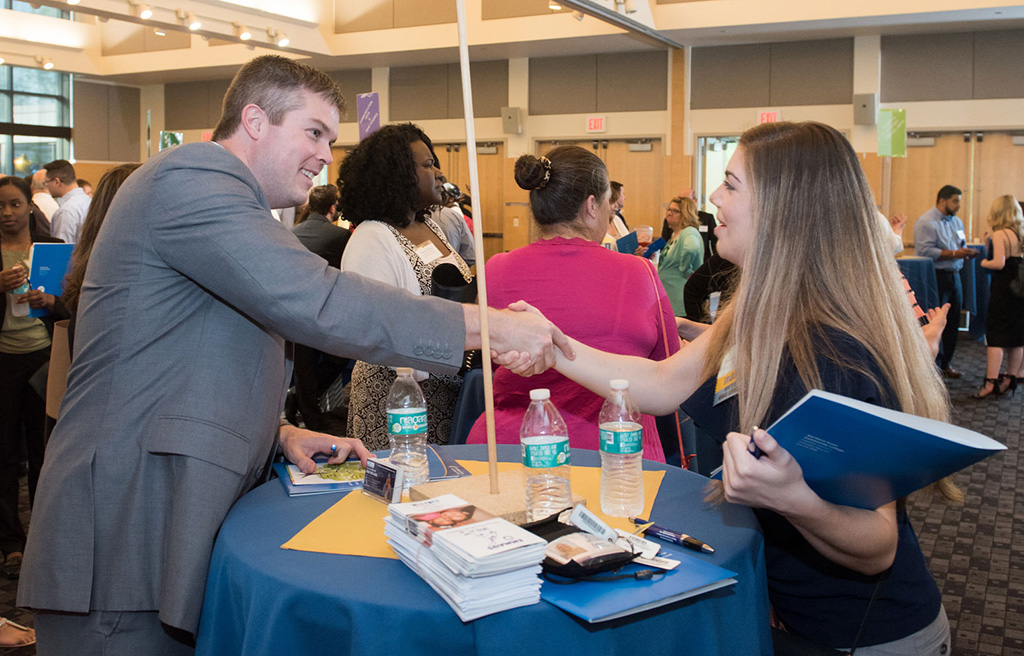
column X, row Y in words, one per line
column 368, row 107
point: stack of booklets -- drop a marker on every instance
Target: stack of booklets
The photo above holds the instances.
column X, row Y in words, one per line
column 478, row 563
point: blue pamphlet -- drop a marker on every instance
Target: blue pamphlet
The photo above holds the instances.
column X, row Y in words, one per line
column 600, row 601
column 50, row 264
column 628, row 244
column 857, row 454
column 655, row 246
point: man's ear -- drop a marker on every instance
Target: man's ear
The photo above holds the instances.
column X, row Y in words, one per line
column 254, row 121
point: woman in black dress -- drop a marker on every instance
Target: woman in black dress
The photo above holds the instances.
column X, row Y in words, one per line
column 1004, row 330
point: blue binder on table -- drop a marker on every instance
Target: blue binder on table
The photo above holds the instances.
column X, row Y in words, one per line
column 600, row 601
column 50, row 264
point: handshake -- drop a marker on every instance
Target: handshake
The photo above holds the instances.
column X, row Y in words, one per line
column 521, row 339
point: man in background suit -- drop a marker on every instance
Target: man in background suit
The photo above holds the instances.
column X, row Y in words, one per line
column 174, row 397
column 318, row 232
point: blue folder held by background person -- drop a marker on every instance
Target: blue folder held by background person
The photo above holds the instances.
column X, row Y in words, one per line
column 628, row 244
column 50, row 264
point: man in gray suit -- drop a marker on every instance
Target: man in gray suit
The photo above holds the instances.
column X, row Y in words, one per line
column 174, row 397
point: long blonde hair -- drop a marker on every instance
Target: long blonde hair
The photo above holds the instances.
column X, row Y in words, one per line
column 818, row 260
column 1006, row 215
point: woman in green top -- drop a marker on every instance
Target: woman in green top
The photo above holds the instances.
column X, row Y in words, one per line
column 685, row 250
column 24, row 350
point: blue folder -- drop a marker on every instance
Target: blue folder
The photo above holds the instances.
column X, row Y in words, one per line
column 50, row 264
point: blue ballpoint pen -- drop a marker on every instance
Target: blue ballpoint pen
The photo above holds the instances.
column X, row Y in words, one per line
column 671, row 536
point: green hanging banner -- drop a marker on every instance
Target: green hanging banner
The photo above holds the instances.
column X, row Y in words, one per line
column 892, row 133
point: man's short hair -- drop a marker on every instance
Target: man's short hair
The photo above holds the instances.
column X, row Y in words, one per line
column 270, row 82
column 62, row 170
column 947, row 192
column 38, row 183
column 82, row 182
column 322, row 199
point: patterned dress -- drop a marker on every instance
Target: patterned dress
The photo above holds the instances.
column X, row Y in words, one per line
column 371, row 383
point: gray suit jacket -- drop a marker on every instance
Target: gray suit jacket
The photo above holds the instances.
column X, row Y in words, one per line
column 176, row 388
column 323, row 238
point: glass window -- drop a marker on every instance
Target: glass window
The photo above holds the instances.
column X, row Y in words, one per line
column 36, row 80
column 38, row 110
column 26, row 7
column 5, row 77
column 5, row 107
column 31, row 153
column 5, row 155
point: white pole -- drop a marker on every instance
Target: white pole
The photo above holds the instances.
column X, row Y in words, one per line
column 478, row 242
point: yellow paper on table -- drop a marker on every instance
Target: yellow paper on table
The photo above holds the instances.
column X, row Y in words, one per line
column 355, row 525
column 586, row 483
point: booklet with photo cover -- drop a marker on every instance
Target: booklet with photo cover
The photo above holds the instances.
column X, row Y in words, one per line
column 421, row 519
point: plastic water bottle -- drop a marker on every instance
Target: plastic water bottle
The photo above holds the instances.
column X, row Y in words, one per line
column 407, row 428
column 19, row 309
column 622, row 450
column 545, row 444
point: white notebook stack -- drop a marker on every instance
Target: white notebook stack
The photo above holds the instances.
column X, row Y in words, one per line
column 479, row 564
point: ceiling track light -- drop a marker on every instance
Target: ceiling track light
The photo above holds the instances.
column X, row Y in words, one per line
column 142, row 10
column 578, row 15
column 45, row 62
column 554, row 6
column 278, row 38
column 242, row 32
column 73, row 2
column 189, row 19
column 159, row 31
column 2, row 60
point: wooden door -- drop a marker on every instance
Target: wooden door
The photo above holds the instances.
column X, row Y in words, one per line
column 916, row 179
column 454, row 161
column 998, row 170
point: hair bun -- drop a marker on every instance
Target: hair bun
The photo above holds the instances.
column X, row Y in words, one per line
column 532, row 172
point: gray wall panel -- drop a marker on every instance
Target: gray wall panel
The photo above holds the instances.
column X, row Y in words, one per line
column 811, row 73
column 563, row 85
column 490, row 88
column 187, row 106
column 999, row 64
column 352, row 83
column 124, row 124
column 927, row 67
column 91, row 131
column 730, row 76
column 632, row 81
column 419, row 92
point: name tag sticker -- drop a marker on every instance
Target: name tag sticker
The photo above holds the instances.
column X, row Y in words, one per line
column 961, row 235
column 428, row 252
column 702, row 228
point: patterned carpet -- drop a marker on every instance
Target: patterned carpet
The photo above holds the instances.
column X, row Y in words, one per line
column 970, row 547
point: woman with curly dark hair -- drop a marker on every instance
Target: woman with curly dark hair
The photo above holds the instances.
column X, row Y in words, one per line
column 388, row 185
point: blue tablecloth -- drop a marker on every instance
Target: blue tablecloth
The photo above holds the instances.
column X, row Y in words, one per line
column 975, row 280
column 920, row 273
column 261, row 599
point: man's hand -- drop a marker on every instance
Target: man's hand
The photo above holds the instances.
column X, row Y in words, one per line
column 523, row 341
column 301, row 445
column 966, row 253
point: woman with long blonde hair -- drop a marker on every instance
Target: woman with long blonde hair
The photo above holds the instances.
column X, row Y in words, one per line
column 819, row 305
column 1004, row 327
column 685, row 250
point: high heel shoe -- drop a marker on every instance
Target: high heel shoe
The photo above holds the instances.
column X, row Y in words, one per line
column 996, row 390
column 1011, row 386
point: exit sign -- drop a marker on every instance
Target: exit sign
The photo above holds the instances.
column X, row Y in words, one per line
column 595, row 124
column 769, row 117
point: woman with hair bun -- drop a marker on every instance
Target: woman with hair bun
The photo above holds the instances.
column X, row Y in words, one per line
column 1004, row 328
column 388, row 185
column 610, row 301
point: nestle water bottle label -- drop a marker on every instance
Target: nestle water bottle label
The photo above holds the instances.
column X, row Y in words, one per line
column 407, row 423
column 623, row 442
column 545, row 452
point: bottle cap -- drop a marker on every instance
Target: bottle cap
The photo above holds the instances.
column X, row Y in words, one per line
column 619, row 384
column 540, row 394
column 403, row 371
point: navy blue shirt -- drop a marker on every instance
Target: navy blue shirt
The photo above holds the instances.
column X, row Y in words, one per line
column 813, row 596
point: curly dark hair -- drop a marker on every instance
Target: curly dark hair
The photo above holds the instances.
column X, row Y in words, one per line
column 377, row 179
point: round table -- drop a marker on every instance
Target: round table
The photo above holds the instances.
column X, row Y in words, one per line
column 261, row 599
